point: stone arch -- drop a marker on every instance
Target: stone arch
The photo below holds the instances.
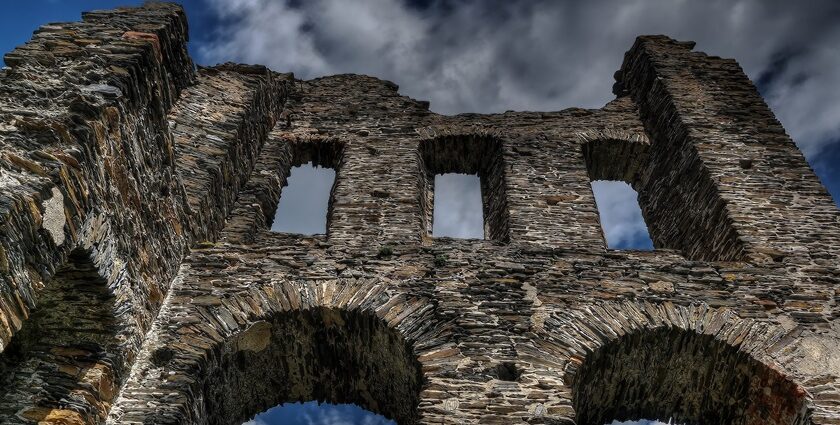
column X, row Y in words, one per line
column 615, row 155
column 346, row 341
column 67, row 359
column 319, row 353
column 695, row 364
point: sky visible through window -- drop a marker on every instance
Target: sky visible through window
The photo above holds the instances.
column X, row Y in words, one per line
column 458, row 208
column 313, row 413
column 304, row 201
column 621, row 216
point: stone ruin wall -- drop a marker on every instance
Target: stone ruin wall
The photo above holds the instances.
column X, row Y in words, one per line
column 139, row 283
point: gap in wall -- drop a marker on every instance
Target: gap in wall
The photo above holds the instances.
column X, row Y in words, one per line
column 314, row 413
column 458, row 209
column 304, row 201
column 621, row 216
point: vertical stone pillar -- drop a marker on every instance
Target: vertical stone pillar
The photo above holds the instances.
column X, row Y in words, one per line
column 549, row 196
column 725, row 182
column 87, row 165
column 376, row 195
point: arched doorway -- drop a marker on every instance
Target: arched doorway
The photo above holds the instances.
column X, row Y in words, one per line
column 688, row 378
column 323, row 354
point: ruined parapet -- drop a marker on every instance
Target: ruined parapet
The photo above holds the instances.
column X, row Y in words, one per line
column 84, row 108
column 85, row 149
column 138, row 195
column 745, row 190
column 219, row 126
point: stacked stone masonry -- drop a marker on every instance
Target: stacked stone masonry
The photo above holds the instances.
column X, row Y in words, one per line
column 140, row 283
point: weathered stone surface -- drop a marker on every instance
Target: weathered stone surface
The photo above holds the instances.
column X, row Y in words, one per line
column 141, row 284
column 219, row 126
column 88, row 165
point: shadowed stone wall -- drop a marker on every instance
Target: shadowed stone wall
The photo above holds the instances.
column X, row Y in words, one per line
column 67, row 353
column 89, row 164
column 167, row 176
column 655, row 375
column 314, row 354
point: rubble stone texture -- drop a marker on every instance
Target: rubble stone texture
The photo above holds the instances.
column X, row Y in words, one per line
column 141, row 284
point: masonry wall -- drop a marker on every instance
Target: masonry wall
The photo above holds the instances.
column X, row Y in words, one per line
column 89, row 164
column 167, row 177
column 544, row 306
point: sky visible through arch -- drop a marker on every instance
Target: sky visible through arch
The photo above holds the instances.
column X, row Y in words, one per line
column 492, row 56
column 313, row 413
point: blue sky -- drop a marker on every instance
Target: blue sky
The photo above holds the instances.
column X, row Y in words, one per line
column 492, row 56
column 313, row 413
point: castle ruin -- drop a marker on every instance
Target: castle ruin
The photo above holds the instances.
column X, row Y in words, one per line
column 140, row 284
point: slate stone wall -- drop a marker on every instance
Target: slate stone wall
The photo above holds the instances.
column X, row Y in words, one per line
column 167, row 177
column 67, row 349
column 88, row 164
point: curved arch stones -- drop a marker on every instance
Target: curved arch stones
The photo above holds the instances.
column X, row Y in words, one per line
column 340, row 341
column 635, row 360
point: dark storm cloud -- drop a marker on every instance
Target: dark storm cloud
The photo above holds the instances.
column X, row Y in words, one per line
column 483, row 56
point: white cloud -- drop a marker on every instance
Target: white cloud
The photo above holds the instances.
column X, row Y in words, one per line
column 264, row 33
column 806, row 98
column 495, row 56
column 256, row 421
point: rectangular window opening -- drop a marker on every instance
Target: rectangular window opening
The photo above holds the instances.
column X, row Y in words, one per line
column 621, row 216
column 304, row 201
column 458, row 209
column 463, row 188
